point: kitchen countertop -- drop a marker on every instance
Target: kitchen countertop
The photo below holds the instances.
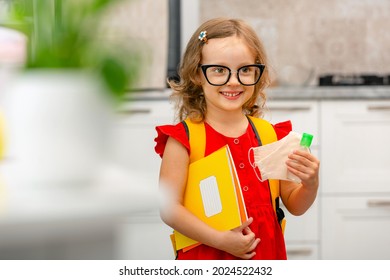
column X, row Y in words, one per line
column 328, row 93
column 290, row 93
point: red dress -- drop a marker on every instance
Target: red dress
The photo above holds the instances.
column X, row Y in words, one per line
column 256, row 194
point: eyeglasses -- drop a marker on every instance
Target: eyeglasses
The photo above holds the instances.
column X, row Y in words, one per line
column 218, row 75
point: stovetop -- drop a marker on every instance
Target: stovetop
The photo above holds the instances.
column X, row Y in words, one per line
column 354, row 80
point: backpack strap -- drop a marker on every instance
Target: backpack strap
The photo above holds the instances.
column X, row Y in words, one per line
column 268, row 135
column 196, row 133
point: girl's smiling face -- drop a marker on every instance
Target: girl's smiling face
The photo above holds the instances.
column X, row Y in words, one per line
column 234, row 53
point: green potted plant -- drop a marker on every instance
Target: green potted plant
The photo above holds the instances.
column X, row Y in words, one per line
column 64, row 34
column 58, row 110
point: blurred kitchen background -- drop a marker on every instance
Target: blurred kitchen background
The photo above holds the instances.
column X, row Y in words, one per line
column 330, row 64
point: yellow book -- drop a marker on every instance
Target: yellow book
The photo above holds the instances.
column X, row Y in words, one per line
column 213, row 194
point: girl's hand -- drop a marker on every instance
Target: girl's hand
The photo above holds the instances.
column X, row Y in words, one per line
column 306, row 167
column 241, row 241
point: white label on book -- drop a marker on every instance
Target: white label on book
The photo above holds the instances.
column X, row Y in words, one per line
column 210, row 196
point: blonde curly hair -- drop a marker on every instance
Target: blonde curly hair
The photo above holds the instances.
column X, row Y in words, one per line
column 188, row 93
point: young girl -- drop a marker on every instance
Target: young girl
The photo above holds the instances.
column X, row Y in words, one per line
column 222, row 78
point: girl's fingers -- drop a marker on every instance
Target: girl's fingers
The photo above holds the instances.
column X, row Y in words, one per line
column 245, row 224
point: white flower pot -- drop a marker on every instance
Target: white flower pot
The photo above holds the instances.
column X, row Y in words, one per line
column 57, row 124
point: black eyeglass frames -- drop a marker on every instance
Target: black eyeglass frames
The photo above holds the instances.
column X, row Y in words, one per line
column 219, row 75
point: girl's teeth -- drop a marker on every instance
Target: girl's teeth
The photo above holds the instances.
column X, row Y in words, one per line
column 230, row 94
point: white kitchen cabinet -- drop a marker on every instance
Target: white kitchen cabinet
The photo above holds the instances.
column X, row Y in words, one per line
column 135, row 131
column 303, row 227
column 304, row 116
column 356, row 227
column 355, row 146
column 303, row 251
column 143, row 236
column 355, row 203
column 302, row 232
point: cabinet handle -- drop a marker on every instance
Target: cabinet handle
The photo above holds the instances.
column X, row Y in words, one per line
column 299, row 252
column 378, row 203
column 135, row 111
column 378, row 107
column 279, row 108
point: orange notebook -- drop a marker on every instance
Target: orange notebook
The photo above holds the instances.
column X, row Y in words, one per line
column 213, row 194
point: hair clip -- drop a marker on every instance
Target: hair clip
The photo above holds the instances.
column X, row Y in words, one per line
column 203, row 36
